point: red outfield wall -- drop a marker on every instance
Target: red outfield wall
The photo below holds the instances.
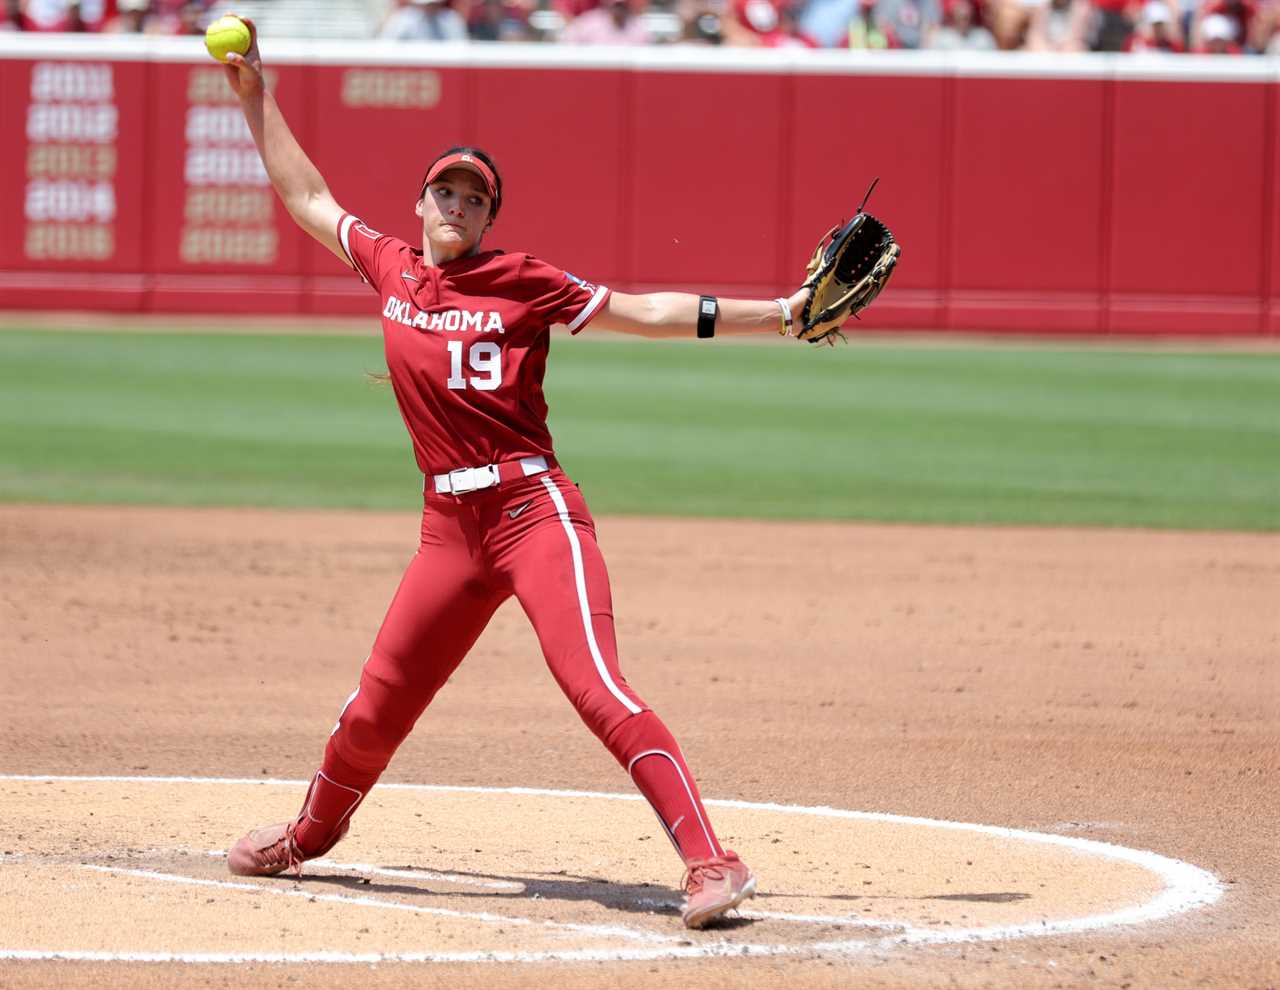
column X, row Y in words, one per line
column 1063, row 194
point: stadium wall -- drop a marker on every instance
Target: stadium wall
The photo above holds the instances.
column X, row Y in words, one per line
column 1059, row 194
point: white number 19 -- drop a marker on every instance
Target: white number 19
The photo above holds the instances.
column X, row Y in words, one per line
column 484, row 357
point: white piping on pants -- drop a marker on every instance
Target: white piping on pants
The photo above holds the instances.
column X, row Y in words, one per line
column 580, row 581
column 311, row 799
column 715, row 847
column 350, row 698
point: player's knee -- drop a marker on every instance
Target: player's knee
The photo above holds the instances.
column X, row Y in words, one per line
column 626, row 734
column 599, row 711
column 367, row 742
column 374, row 724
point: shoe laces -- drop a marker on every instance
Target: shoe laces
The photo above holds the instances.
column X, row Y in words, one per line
column 286, row 849
column 699, row 871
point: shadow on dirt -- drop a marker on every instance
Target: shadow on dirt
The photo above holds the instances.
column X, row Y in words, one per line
column 632, row 898
column 560, row 886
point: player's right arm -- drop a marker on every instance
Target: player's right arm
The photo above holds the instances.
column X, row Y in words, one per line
column 297, row 181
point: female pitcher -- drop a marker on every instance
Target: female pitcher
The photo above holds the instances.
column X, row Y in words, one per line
column 466, row 334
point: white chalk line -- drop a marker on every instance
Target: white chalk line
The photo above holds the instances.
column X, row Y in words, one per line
column 718, row 949
column 409, row 874
column 1186, row 887
column 603, row 931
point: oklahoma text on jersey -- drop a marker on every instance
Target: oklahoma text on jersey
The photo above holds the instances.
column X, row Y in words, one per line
column 486, row 321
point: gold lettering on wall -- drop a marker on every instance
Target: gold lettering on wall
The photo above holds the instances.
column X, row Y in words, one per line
column 69, row 202
column 405, row 88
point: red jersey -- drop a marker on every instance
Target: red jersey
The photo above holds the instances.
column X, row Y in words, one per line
column 466, row 344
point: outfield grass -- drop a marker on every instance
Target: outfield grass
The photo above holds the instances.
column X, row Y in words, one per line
column 988, row 433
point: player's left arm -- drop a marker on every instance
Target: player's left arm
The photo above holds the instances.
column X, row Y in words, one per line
column 675, row 314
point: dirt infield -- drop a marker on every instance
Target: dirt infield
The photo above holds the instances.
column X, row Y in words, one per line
column 832, row 686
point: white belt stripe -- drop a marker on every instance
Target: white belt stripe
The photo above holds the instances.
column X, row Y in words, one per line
column 588, row 309
column 580, row 581
column 711, row 840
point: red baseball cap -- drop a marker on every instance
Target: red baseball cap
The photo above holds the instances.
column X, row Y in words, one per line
column 471, row 163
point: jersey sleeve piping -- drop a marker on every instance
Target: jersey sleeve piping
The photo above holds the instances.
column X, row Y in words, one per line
column 344, row 238
column 590, row 309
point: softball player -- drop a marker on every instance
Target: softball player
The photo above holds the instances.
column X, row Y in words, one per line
column 466, row 335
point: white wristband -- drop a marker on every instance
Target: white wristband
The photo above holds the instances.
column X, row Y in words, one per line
column 785, row 330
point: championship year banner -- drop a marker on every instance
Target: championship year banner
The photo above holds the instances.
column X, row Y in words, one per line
column 216, row 221
column 74, row 182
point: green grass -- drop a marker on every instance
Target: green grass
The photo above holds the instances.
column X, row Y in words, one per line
column 981, row 433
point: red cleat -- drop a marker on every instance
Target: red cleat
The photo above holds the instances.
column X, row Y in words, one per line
column 272, row 849
column 714, row 886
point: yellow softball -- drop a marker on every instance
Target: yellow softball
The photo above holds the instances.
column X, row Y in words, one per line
column 227, row 34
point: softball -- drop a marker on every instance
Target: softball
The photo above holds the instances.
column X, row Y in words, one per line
column 227, row 34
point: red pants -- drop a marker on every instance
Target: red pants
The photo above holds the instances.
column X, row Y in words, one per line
column 533, row 538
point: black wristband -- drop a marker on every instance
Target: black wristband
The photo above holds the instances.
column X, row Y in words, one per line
column 708, row 310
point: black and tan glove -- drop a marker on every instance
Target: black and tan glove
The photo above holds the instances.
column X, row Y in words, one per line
column 850, row 266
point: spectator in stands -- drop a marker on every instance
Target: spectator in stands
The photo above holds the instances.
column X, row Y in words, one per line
column 613, row 23
column 130, row 17
column 959, row 29
column 1241, row 13
column 1266, row 29
column 827, row 21
column 62, row 15
column 191, row 18
column 789, row 33
column 1157, row 30
column 572, row 9
column 424, row 20
column 1059, row 26
column 545, row 22
column 701, row 22
column 765, row 24
column 864, row 31
column 498, row 20
column 748, row 21
column 1216, row 34
column 1112, row 24
column 905, row 23
column 1008, row 21
column 11, row 16
column 166, row 16
column 871, row 24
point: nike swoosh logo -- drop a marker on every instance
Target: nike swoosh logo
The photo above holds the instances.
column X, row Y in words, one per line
column 411, row 278
column 512, row 513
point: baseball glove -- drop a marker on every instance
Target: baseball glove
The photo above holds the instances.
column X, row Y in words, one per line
column 848, row 269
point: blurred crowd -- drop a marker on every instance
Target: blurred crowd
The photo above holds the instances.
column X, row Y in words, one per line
column 1226, row 27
